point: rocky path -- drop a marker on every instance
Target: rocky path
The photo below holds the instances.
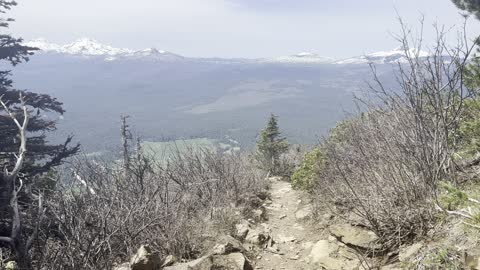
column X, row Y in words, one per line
column 293, row 239
column 285, row 239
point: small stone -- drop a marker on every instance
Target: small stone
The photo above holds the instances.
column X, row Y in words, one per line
column 408, row 252
column 283, row 216
column 242, row 230
column 304, row 213
column 354, row 235
column 227, row 245
column 294, row 258
column 323, row 254
column 259, row 214
column 169, row 260
column 11, row 265
column 144, row 259
column 286, row 239
column 256, row 237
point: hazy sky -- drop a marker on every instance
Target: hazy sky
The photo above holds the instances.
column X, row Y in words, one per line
column 232, row 28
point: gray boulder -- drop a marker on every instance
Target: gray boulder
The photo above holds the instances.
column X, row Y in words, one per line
column 355, row 236
column 326, row 255
column 144, row 259
column 227, row 245
column 242, row 230
column 233, row 261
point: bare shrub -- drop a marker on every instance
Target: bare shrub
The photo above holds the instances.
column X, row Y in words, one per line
column 103, row 214
column 384, row 165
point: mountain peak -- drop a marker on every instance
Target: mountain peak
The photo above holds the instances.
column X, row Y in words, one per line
column 301, row 58
column 396, row 55
column 88, row 46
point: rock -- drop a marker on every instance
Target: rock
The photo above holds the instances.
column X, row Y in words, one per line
column 227, row 245
column 286, row 239
column 332, row 239
column 355, row 236
column 406, row 253
column 11, row 265
column 233, row 261
column 169, row 261
column 124, row 266
column 144, row 259
column 275, row 178
column 294, row 258
column 304, row 212
column 325, row 254
column 472, row 260
column 257, row 237
column 263, row 195
column 275, row 250
column 203, row 263
column 283, row 216
column 259, row 213
column 242, row 230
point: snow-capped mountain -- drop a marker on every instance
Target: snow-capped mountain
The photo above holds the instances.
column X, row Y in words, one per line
column 86, row 46
column 385, row 57
column 83, row 46
column 301, row 58
column 91, row 48
column 149, row 54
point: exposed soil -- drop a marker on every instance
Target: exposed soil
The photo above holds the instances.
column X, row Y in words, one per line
column 294, row 238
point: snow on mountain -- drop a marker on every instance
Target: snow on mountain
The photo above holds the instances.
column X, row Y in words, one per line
column 89, row 47
column 83, row 46
column 43, row 45
column 385, row 57
column 150, row 54
column 301, row 58
column 154, row 54
column 86, row 46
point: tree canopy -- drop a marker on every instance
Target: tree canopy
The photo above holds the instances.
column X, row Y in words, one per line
column 42, row 156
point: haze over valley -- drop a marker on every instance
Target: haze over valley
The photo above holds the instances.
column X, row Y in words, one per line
column 172, row 97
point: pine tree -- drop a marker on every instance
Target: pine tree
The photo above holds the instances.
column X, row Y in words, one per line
column 20, row 187
column 271, row 146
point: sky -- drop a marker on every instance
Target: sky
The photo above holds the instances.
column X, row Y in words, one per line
column 234, row 28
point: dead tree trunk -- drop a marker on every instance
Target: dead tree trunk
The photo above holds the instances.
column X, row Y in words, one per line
column 126, row 136
column 12, row 185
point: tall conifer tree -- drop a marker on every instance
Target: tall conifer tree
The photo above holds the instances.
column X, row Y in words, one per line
column 271, row 146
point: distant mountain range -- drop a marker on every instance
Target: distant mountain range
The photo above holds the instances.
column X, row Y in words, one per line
column 87, row 47
column 169, row 96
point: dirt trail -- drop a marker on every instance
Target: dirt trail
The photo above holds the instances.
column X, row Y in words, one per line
column 292, row 236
